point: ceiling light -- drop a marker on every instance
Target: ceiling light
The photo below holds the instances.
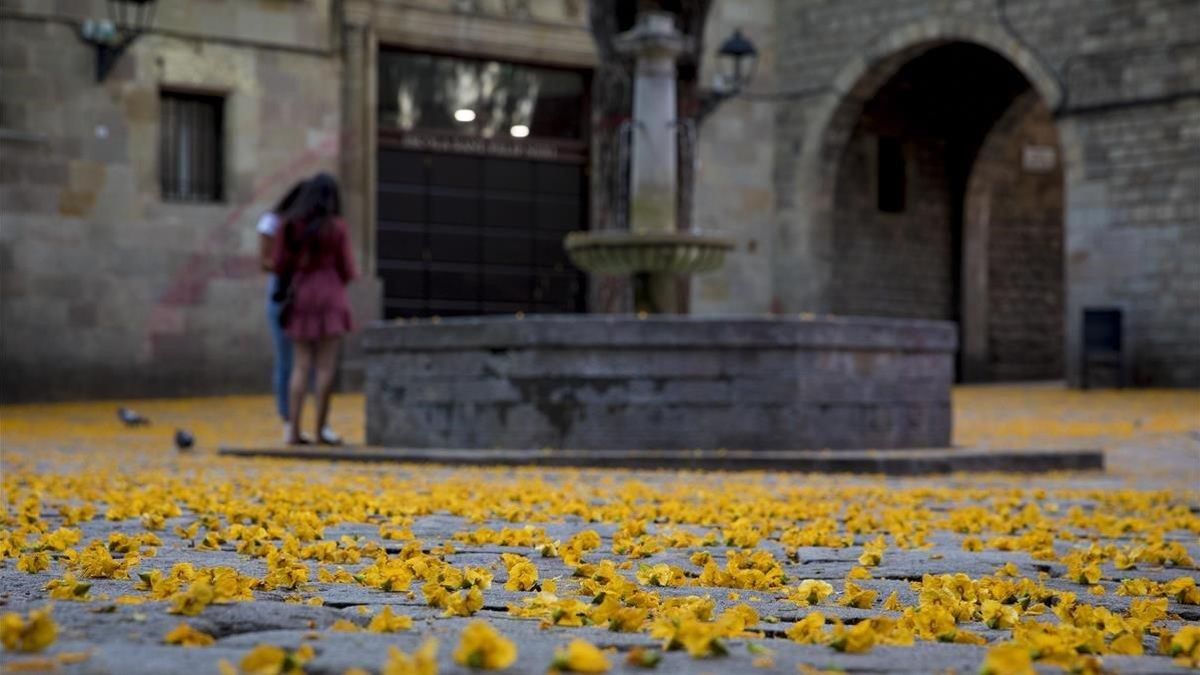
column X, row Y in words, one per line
column 464, row 115
column 519, row 131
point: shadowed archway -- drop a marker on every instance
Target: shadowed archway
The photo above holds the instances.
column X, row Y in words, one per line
column 947, row 203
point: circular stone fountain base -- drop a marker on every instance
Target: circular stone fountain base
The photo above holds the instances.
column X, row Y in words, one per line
column 680, row 382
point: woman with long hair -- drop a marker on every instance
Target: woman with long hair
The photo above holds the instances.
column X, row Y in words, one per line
column 268, row 229
column 313, row 254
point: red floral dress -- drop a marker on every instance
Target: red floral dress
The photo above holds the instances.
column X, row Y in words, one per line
column 319, row 275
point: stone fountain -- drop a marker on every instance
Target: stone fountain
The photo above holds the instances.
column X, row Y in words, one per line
column 653, row 251
column 658, row 380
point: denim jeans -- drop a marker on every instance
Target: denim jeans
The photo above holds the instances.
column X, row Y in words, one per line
column 283, row 353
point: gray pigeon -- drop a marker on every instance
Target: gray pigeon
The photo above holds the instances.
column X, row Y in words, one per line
column 184, row 440
column 131, row 418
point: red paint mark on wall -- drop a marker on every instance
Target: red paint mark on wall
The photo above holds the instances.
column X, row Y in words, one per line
column 213, row 261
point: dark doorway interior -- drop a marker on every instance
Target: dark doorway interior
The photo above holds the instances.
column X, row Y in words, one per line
column 460, row 234
column 948, row 206
column 481, row 174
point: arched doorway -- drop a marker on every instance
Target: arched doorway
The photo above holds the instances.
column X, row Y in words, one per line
column 948, row 204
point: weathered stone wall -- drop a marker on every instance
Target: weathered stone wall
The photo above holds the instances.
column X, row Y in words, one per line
column 1014, row 221
column 734, row 191
column 892, row 264
column 1123, row 85
column 664, row 383
column 108, row 289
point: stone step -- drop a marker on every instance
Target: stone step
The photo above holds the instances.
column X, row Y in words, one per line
column 886, row 462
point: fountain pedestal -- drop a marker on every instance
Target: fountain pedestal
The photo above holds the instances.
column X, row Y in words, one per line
column 669, row 382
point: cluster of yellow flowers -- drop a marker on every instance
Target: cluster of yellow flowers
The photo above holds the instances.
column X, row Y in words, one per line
column 28, row 634
column 674, row 542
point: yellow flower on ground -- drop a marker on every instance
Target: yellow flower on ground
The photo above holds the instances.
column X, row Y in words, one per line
column 1128, row 644
column 581, row 656
column 858, row 573
column 422, row 662
column 200, row 594
column 522, row 576
column 186, row 636
column 464, row 603
column 31, row 634
column 482, row 646
column 344, row 626
column 811, row 592
column 1183, row 590
column 872, row 552
column 273, row 660
column 854, row 596
column 68, row 588
column 1086, row 575
column 892, row 603
column 1185, row 646
column 1007, row 659
column 1148, row 611
column 387, row 622
column 33, row 563
column 859, row 638
column 996, row 615
column 808, row 631
column 640, row 657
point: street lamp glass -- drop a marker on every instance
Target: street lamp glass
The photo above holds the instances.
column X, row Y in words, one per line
column 131, row 15
column 737, row 60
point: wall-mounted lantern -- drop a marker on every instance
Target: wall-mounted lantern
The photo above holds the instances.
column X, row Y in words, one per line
column 737, row 61
column 127, row 20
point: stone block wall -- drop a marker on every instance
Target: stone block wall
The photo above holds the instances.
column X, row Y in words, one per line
column 1122, row 80
column 108, row 289
column 621, row 383
column 892, row 264
column 1014, row 225
column 735, row 193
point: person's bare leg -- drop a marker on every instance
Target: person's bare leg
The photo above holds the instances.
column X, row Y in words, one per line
column 326, row 365
column 302, row 363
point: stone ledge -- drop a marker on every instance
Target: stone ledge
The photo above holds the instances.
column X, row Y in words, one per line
column 886, row 462
column 820, row 332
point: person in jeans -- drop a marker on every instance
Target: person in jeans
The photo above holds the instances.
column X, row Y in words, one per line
column 312, row 253
column 268, row 228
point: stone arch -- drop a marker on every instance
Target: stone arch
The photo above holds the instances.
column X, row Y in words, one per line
column 808, row 224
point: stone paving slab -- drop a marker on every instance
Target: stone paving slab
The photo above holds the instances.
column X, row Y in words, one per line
column 883, row 462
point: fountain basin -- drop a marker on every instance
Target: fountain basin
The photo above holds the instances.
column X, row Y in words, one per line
column 620, row 253
column 668, row 383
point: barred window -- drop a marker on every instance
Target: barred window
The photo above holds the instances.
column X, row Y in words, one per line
column 191, row 146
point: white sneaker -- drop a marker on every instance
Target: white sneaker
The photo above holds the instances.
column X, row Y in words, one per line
column 305, row 439
column 328, row 437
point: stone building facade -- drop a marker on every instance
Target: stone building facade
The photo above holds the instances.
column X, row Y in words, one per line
column 113, row 288
column 1050, row 160
column 1006, row 164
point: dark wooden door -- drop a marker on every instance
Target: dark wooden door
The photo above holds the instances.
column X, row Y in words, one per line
column 464, row 234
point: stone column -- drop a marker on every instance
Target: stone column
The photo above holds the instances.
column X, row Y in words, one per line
column 653, row 192
column 655, row 43
column 356, row 170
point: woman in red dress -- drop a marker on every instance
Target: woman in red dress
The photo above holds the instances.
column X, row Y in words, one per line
column 312, row 257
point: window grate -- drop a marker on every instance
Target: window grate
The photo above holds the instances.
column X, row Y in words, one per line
column 191, row 152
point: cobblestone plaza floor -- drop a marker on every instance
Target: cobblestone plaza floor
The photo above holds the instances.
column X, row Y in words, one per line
column 121, row 555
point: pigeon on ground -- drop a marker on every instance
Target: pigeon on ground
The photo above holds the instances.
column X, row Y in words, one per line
column 131, row 418
column 184, row 440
